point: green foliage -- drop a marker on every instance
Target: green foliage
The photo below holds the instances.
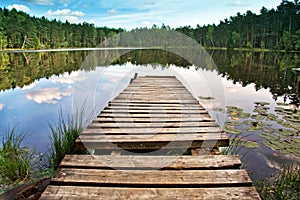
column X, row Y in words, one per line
column 16, row 161
column 19, row 30
column 271, row 29
column 283, row 186
column 63, row 135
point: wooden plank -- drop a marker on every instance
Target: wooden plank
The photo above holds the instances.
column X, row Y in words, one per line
column 153, row 138
column 157, row 104
column 170, row 96
column 132, row 131
column 152, row 125
column 151, row 115
column 95, row 193
column 159, row 178
column 151, row 92
column 140, row 142
column 150, row 111
column 140, row 89
column 203, row 118
column 138, row 107
column 137, row 162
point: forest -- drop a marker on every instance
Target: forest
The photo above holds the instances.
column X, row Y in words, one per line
column 275, row 29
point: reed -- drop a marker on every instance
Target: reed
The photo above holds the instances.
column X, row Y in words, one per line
column 16, row 161
column 64, row 134
column 284, row 185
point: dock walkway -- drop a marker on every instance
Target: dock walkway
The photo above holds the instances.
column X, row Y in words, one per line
column 138, row 142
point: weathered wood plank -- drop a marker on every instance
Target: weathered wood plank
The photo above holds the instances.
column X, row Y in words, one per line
column 140, row 142
column 151, row 162
column 137, row 107
column 153, row 138
column 156, row 178
column 146, row 111
column 167, row 96
column 156, row 104
column 152, row 125
column 95, row 193
column 132, row 131
column 151, row 115
column 203, row 118
column 155, row 92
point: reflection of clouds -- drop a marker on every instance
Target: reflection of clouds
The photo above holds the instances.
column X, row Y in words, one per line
column 48, row 95
column 1, row 106
column 68, row 78
column 28, row 87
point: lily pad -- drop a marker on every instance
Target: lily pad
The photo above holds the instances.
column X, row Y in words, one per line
column 233, row 109
column 243, row 115
column 219, row 109
column 271, row 117
column 253, row 129
column 250, row 144
column 262, row 103
column 291, row 118
column 233, row 123
column 271, row 145
column 249, row 122
column 260, row 111
column 258, row 117
column 206, row 98
column 269, row 136
column 286, row 132
column 282, row 104
column 268, row 130
column 231, row 130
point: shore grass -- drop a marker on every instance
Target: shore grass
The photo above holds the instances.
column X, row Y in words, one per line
column 284, row 185
column 16, row 161
column 64, row 134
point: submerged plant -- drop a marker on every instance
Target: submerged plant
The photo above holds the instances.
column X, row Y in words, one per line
column 16, row 161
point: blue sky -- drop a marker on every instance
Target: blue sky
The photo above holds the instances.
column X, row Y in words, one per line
column 138, row 13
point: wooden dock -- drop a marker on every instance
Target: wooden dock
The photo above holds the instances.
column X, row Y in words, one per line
column 135, row 141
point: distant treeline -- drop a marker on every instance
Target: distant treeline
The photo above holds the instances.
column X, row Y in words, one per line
column 271, row 29
column 19, row 30
column 276, row 29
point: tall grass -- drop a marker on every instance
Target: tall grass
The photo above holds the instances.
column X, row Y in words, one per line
column 234, row 146
column 285, row 185
column 16, row 161
column 64, row 134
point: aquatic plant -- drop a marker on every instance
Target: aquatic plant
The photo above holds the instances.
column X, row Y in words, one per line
column 16, row 161
column 284, row 185
column 64, row 134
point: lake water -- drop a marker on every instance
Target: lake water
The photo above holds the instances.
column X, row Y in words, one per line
column 35, row 86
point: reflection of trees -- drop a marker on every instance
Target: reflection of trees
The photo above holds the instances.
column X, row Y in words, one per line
column 20, row 69
column 153, row 57
column 267, row 70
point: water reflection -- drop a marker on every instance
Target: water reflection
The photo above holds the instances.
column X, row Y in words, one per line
column 35, row 85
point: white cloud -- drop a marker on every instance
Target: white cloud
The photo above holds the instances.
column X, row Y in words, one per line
column 68, row 79
column 1, row 106
column 66, row 14
column 48, row 95
column 112, row 11
column 237, row 4
column 19, row 7
column 39, row 2
column 28, row 87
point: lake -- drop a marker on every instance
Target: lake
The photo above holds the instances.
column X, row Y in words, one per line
column 36, row 86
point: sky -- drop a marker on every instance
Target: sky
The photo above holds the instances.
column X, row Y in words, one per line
column 130, row 14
